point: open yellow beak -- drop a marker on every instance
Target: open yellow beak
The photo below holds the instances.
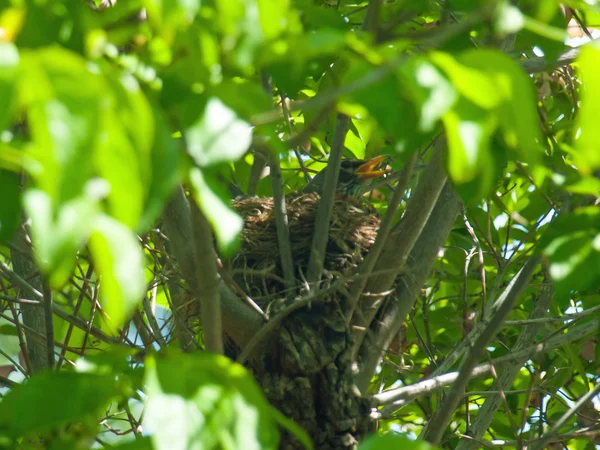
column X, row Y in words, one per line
column 370, row 168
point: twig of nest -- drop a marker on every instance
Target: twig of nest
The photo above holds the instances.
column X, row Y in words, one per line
column 257, row 266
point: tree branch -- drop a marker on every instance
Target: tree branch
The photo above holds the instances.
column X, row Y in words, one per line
column 207, row 280
column 33, row 317
column 403, row 238
column 366, row 268
column 240, row 322
column 419, row 266
column 321, row 233
column 434, row 430
column 281, row 221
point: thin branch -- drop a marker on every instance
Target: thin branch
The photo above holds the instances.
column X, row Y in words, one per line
column 321, row 233
column 207, row 281
column 434, row 430
column 78, row 304
column 274, row 322
column 566, row 416
column 398, row 397
column 486, row 413
column 47, row 291
column 240, row 322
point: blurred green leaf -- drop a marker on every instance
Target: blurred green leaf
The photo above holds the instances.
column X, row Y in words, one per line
column 218, row 136
column 52, row 399
column 432, row 93
column 165, row 166
column 119, row 260
column 473, row 84
column 587, row 145
column 10, row 206
column 205, row 399
column 572, row 242
column 213, row 201
column 469, row 130
column 517, row 114
column 59, row 234
column 9, row 61
column 63, row 98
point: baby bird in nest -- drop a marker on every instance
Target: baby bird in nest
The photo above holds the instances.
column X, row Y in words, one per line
column 355, row 178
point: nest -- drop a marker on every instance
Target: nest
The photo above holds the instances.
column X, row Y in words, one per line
column 257, row 266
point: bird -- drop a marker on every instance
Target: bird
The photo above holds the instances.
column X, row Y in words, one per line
column 354, row 179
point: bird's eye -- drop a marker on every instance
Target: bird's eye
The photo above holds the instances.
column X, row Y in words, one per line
column 346, row 164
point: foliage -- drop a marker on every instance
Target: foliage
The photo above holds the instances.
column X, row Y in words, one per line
column 105, row 109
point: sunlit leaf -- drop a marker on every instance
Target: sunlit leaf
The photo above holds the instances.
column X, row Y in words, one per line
column 59, row 234
column 218, row 135
column 9, row 61
column 469, row 130
column 473, row 84
column 587, row 157
column 64, row 98
column 430, row 90
column 119, row 260
column 517, row 114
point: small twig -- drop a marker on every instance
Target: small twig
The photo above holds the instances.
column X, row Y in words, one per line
column 435, row 428
column 49, row 325
column 149, row 305
column 275, row 321
column 553, row 430
column 78, row 304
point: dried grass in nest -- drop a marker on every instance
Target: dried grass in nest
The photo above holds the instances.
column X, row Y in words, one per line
column 257, row 267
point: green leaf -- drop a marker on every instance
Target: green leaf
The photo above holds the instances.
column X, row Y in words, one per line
column 393, row 441
column 9, row 62
column 273, row 17
column 218, row 136
column 10, row 206
column 119, row 260
column 206, row 400
column 587, row 156
column 572, row 242
column 473, row 84
column 59, row 398
column 213, row 201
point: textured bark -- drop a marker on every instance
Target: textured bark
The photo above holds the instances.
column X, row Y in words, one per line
column 309, row 378
column 33, row 315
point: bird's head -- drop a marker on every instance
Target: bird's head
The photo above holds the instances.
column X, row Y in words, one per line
column 356, row 175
